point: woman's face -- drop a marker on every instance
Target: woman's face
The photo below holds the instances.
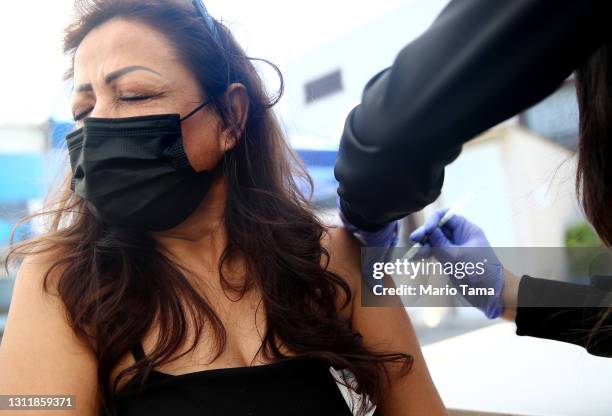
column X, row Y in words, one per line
column 125, row 68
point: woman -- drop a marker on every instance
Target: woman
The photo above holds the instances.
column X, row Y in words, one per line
column 190, row 274
column 480, row 63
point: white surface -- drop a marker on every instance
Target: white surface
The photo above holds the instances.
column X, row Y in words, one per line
column 22, row 139
column 494, row 370
column 353, row 400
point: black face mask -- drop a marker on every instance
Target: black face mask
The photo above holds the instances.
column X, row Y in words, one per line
column 134, row 172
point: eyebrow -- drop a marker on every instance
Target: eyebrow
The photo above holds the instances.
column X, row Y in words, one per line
column 110, row 77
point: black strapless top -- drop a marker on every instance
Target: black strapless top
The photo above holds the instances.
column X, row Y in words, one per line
column 292, row 387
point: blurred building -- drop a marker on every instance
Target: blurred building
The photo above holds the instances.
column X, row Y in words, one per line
column 323, row 85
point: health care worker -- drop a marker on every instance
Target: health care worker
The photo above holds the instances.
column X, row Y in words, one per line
column 481, row 62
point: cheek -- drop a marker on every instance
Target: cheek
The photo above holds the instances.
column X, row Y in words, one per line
column 201, row 149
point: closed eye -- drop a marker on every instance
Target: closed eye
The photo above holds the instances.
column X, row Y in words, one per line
column 81, row 115
column 138, row 97
column 133, row 98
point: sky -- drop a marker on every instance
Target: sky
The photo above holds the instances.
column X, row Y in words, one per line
column 278, row 30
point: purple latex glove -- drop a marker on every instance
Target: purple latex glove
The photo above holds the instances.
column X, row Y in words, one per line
column 459, row 240
column 385, row 238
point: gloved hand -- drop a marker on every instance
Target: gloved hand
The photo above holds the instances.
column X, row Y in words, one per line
column 462, row 241
column 385, row 238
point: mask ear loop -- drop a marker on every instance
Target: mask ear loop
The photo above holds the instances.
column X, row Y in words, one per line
column 198, row 108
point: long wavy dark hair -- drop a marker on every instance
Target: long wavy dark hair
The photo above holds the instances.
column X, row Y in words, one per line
column 115, row 282
column 594, row 170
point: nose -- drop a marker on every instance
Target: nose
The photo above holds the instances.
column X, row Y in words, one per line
column 100, row 111
column 104, row 107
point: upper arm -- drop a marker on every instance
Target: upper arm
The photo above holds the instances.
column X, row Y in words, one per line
column 386, row 329
column 40, row 354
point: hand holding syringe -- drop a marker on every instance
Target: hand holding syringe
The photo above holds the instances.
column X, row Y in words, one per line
column 465, row 244
column 449, row 214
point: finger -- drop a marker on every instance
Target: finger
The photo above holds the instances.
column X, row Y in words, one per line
column 431, row 223
column 438, row 239
column 418, row 234
column 455, row 221
column 448, row 232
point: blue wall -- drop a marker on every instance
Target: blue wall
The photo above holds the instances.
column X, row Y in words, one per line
column 59, row 129
column 22, row 177
column 320, row 165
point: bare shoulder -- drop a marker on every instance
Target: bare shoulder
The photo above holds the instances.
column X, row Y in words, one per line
column 344, row 260
column 384, row 329
column 34, row 268
column 40, row 354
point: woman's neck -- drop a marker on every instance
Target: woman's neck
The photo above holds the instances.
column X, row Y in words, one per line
column 202, row 235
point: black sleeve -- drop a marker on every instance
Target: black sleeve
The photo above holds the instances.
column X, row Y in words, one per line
column 481, row 62
column 565, row 312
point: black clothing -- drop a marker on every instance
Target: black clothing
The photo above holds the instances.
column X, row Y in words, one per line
column 568, row 324
column 297, row 386
column 481, row 62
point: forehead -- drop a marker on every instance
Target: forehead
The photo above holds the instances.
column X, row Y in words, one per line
column 118, row 43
